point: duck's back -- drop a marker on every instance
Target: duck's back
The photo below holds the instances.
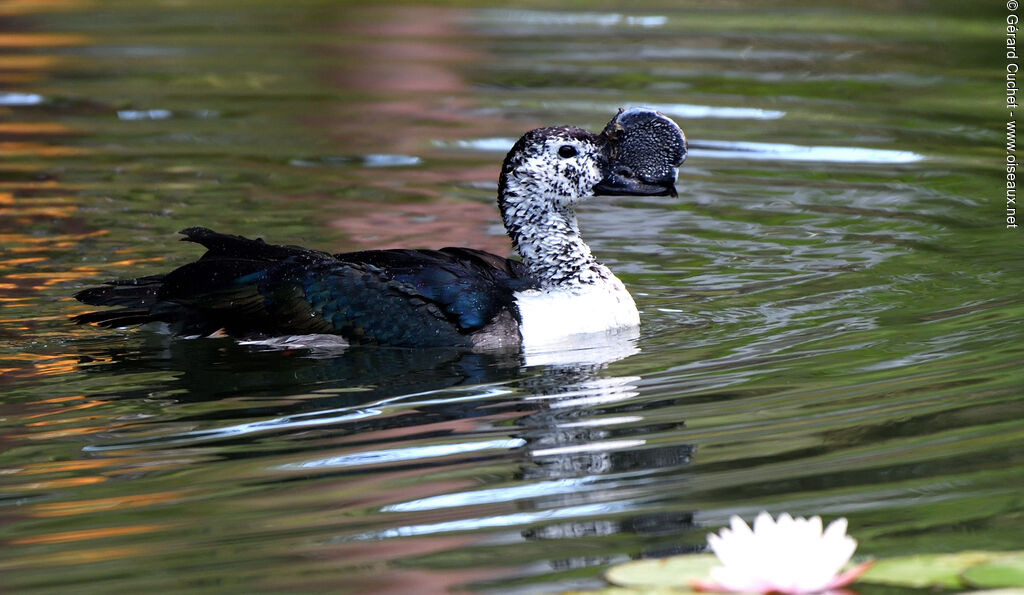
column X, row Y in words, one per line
column 251, row 289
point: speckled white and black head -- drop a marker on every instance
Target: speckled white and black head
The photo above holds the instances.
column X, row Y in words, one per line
column 550, row 170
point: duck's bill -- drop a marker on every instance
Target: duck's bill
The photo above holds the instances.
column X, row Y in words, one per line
column 616, row 185
column 644, row 150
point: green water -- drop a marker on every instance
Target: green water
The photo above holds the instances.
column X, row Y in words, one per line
column 831, row 310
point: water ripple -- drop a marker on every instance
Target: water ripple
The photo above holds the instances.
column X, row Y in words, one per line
column 144, row 114
column 693, row 112
column 20, row 99
column 544, row 18
column 392, row 455
column 786, row 152
column 497, row 495
column 506, row 520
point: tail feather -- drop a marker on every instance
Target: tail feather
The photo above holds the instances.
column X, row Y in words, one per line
column 124, row 292
column 222, row 289
column 134, row 295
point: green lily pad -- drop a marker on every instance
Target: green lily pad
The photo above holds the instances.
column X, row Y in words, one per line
column 1006, row 570
column 675, row 572
column 971, row 568
column 925, row 570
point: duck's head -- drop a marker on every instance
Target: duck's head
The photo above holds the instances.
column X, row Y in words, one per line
column 638, row 153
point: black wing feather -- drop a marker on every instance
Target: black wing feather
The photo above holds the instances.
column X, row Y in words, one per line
column 252, row 288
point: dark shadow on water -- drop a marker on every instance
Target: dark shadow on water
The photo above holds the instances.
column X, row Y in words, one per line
column 211, row 369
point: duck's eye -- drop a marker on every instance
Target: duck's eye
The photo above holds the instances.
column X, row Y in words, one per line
column 566, row 151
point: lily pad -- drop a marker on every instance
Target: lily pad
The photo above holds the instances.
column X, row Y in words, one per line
column 675, row 572
column 1007, row 570
column 926, row 570
column 971, row 568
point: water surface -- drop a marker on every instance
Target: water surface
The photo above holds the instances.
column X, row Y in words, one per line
column 831, row 311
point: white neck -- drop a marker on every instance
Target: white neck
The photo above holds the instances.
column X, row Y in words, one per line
column 548, row 238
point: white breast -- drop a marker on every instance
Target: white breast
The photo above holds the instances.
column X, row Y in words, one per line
column 553, row 316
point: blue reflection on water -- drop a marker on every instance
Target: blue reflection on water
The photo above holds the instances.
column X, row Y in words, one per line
column 785, row 152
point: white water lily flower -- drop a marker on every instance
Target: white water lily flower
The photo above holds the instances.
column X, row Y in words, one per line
column 789, row 556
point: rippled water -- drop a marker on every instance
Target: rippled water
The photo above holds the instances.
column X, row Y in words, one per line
column 831, row 311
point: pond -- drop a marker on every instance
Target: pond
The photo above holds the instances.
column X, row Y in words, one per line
column 832, row 310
